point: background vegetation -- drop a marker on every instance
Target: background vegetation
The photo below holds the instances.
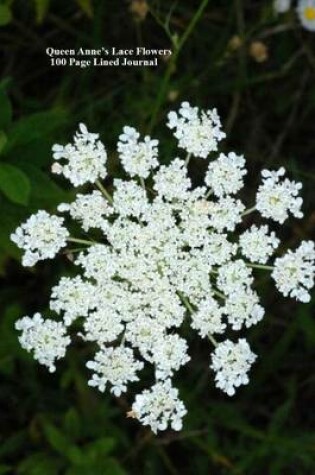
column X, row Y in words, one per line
column 258, row 70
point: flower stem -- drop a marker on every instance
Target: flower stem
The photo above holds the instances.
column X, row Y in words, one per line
column 104, row 191
column 81, row 241
column 219, row 294
column 185, row 302
column 187, row 159
column 209, row 193
column 213, row 340
column 248, row 211
column 259, row 266
column 142, row 182
column 171, row 63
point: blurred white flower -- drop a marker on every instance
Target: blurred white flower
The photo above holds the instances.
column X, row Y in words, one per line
column 306, row 13
column 282, row 6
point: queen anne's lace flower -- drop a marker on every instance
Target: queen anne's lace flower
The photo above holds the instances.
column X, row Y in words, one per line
column 41, row 236
column 103, row 325
column 208, row 319
column 242, row 308
column 158, row 259
column 73, row 297
column 91, row 210
column 198, row 132
column 257, row 245
column 225, row 175
column 231, row 363
column 129, row 199
column 294, row 272
column 160, row 407
column 171, row 182
column 225, row 214
column 137, row 158
column 85, row 159
column 46, row 338
column 116, row 366
column 234, row 276
column 275, row 197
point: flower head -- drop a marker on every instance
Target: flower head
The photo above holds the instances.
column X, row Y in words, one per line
column 116, row 366
column 161, row 258
column 160, row 407
column 46, row 338
column 84, row 160
column 306, row 14
column 137, row 158
column 198, row 132
column 231, row 363
column 294, row 272
column 225, row 175
column 41, row 237
column 281, row 6
column 275, row 198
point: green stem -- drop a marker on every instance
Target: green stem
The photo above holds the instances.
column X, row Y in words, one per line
column 259, row 266
column 80, row 241
column 209, row 193
column 186, row 302
column 213, row 340
column 142, row 183
column 248, row 211
column 104, row 191
column 172, row 62
column 187, row 159
column 219, row 294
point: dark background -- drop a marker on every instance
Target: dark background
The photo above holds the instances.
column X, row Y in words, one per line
column 265, row 94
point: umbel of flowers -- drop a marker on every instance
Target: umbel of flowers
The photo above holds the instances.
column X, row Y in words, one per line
column 160, row 252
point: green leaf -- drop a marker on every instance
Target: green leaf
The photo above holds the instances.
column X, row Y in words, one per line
column 41, row 7
column 3, row 140
column 39, row 464
column 34, row 127
column 72, row 424
column 5, row 109
column 4, row 469
column 5, row 15
column 44, row 190
column 14, row 184
column 61, row 444
column 86, row 6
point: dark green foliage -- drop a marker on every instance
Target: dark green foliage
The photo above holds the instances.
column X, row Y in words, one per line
column 55, row 424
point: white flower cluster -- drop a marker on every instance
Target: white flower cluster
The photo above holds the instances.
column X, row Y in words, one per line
column 163, row 256
column 198, row 132
column 47, row 338
column 305, row 10
column 41, row 236
column 85, row 159
column 137, row 158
